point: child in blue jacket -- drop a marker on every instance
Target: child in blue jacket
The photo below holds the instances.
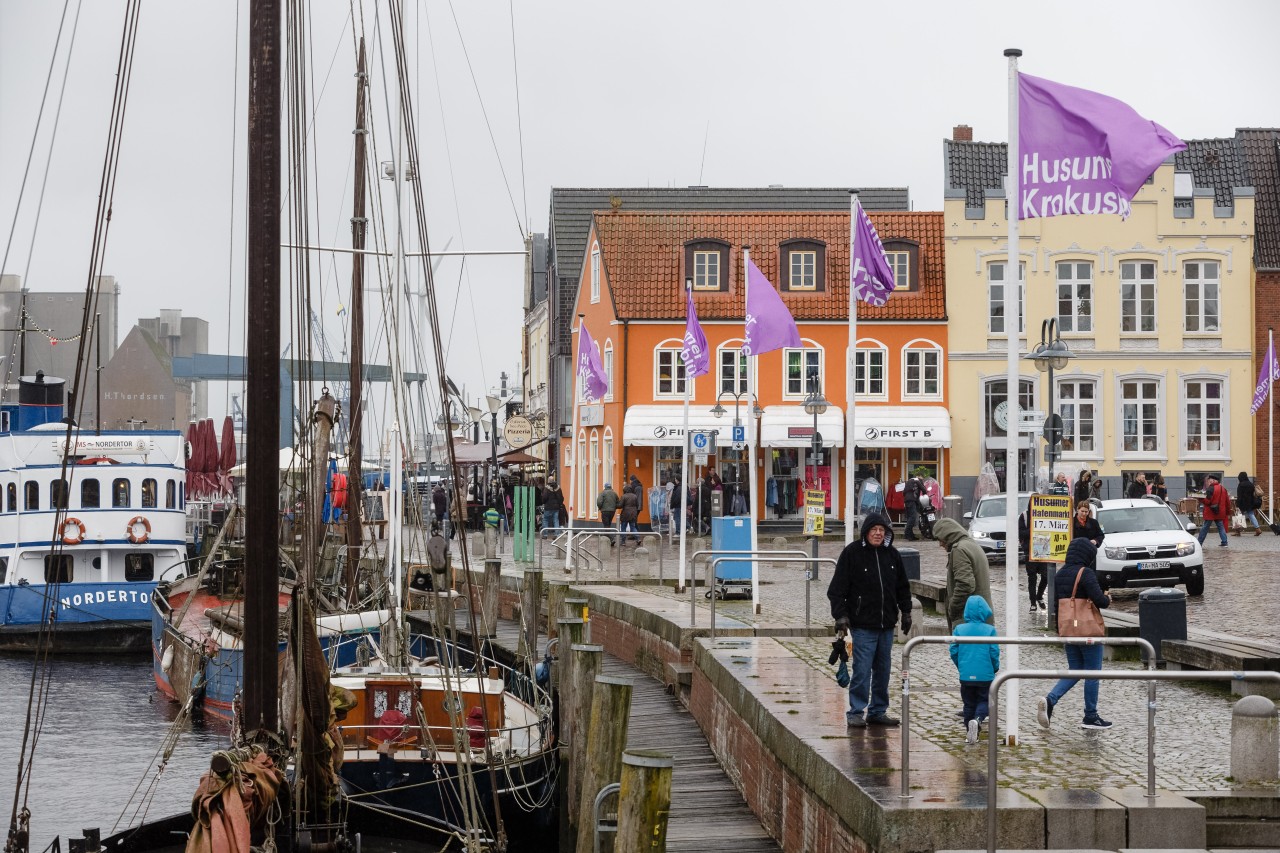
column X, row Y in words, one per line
column 978, row 663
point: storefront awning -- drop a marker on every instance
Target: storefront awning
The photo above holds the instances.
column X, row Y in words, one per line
column 663, row 426
column 790, row 426
column 902, row 426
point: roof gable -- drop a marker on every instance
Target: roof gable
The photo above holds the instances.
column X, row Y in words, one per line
column 1260, row 148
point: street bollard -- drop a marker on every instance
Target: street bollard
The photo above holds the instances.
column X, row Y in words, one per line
column 1255, row 752
column 779, row 544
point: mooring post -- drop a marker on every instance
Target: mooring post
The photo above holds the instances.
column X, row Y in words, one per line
column 556, row 592
column 576, row 608
column 489, row 596
column 605, row 741
column 587, row 659
column 571, row 631
column 530, row 599
column 644, row 801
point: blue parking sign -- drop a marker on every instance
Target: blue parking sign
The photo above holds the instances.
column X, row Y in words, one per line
column 739, row 433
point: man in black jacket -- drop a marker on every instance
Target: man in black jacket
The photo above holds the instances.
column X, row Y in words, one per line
column 867, row 591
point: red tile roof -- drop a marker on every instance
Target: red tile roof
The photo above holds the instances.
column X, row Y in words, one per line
column 642, row 254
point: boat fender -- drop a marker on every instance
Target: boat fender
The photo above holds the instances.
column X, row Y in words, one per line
column 166, row 660
column 139, row 529
column 72, row 531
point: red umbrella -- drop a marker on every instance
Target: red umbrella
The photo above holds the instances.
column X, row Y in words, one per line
column 193, row 457
column 209, row 466
column 227, row 458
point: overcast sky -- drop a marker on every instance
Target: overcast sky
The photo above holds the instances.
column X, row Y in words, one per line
column 575, row 94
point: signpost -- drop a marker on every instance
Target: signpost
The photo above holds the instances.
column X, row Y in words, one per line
column 518, row 431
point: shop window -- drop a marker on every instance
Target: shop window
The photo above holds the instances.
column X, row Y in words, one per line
column 923, row 461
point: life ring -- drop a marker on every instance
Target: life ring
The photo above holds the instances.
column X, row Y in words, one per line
column 132, row 529
column 69, row 538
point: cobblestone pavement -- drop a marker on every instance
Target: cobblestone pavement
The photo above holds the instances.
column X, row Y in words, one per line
column 1193, row 720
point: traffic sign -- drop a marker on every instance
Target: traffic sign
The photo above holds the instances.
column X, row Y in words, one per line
column 739, row 433
column 702, row 441
column 1053, row 429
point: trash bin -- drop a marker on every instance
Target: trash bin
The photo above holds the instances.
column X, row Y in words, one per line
column 951, row 507
column 910, row 562
column 1162, row 615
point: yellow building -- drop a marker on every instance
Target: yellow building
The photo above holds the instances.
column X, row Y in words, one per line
column 1157, row 309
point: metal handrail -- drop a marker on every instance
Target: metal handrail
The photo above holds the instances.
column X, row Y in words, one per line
column 717, row 560
column 693, row 561
column 578, row 531
column 1024, row 641
column 611, row 788
column 1110, row 675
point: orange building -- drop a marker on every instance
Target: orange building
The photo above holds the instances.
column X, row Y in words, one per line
column 631, row 296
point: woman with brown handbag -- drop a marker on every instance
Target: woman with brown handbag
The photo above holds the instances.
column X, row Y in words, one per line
column 1076, row 580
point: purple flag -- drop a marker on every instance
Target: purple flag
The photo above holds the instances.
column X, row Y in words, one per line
column 1269, row 373
column 1082, row 152
column 870, row 274
column 595, row 383
column 769, row 325
column 697, row 359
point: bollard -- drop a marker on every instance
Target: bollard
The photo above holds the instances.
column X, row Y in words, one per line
column 600, row 547
column 490, row 542
column 1255, row 752
column 489, row 596
column 606, row 739
column 779, row 544
column 530, row 601
column 477, row 544
column 587, row 659
column 644, row 800
column 640, row 562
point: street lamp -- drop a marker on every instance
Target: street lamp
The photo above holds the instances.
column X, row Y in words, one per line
column 1052, row 353
column 495, row 403
column 815, row 404
column 719, row 412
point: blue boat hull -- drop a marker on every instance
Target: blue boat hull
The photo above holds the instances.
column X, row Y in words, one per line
column 88, row 618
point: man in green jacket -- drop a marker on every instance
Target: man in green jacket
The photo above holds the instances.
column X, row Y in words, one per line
column 967, row 570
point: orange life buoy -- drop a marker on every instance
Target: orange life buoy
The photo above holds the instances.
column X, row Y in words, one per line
column 75, row 538
column 132, row 529
column 338, row 491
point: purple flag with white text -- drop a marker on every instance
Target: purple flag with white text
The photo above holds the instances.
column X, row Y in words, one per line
column 595, row 383
column 871, row 276
column 1082, row 152
column 1270, row 373
column 697, row 359
column 769, row 325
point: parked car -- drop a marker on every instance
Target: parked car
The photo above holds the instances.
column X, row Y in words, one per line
column 987, row 524
column 1147, row 545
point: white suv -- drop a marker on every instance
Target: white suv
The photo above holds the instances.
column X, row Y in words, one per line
column 1146, row 545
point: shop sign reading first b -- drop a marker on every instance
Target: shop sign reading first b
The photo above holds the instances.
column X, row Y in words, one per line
column 874, row 434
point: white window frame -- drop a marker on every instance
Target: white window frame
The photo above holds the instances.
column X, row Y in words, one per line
column 582, row 477
column 608, row 368
column 992, row 301
column 810, row 352
column 900, row 263
column 1202, row 282
column 1079, row 380
column 921, row 346
column 984, row 392
column 1223, row 452
column 1161, row 451
column 862, row 386
column 592, row 510
column 595, row 273
column 702, row 279
column 738, row 384
column 671, row 349
column 808, row 259
column 607, row 459
column 1079, row 296
column 1139, row 284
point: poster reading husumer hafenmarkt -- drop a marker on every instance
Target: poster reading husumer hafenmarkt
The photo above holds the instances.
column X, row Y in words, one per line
column 1050, row 524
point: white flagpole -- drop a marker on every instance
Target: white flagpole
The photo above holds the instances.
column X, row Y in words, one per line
column 573, row 449
column 684, row 461
column 751, row 461
column 1012, row 286
column 850, row 389
column 1271, row 410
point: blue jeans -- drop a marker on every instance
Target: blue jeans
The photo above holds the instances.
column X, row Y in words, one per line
column 629, row 527
column 1208, row 524
column 976, row 696
column 1080, row 657
column 550, row 518
column 1252, row 518
column 872, row 654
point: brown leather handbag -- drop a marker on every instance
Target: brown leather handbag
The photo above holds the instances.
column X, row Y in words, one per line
column 1079, row 617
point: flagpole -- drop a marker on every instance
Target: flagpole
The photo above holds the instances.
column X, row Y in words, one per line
column 684, row 462
column 1271, row 412
column 751, row 462
column 573, row 452
column 850, row 388
column 1012, row 321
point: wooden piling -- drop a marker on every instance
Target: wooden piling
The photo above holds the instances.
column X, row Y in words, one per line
column 556, row 592
column 644, row 801
column 587, row 659
column 606, row 739
column 571, row 632
column 489, row 596
column 530, row 601
column 576, row 607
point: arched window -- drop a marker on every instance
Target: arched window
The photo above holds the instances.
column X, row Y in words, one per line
column 668, row 370
column 30, row 495
column 120, row 492
column 608, row 367
column 797, row 365
column 58, row 494
column 871, row 366
column 150, row 494
column 595, row 272
column 922, row 370
column 90, row 493
column 170, row 495
column 11, row 497
column 731, row 367
column 594, row 511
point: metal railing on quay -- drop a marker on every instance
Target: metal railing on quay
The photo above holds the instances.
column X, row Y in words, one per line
column 613, row 533
column 413, row 736
column 756, row 557
column 1103, row 675
column 1022, row 641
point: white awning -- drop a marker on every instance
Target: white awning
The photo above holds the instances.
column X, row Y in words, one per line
column 663, row 425
column 902, row 426
column 790, row 426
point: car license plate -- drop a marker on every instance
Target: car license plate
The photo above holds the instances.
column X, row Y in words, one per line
column 1152, row 565
column 999, row 544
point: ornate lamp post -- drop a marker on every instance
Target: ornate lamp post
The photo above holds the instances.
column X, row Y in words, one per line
column 1052, row 353
column 719, row 411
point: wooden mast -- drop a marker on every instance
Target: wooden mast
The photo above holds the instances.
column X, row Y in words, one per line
column 359, row 228
column 262, row 494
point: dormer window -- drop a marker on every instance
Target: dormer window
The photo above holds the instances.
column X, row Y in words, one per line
column 904, row 260
column 707, row 263
column 802, row 266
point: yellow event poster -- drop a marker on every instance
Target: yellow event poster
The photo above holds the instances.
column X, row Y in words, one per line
column 815, row 508
column 1050, row 523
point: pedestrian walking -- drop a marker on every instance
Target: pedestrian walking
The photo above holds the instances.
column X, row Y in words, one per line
column 967, row 570
column 675, row 504
column 1083, row 524
column 1077, row 579
column 1158, row 488
column 1217, row 509
column 977, row 663
column 867, row 591
column 607, row 502
column 439, row 504
column 630, row 513
column 552, row 504
column 911, row 492
column 1037, row 570
column 1248, row 502
column 1084, row 486
column 1060, row 485
column 1137, row 487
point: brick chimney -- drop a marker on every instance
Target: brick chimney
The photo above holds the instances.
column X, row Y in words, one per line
column 962, row 133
